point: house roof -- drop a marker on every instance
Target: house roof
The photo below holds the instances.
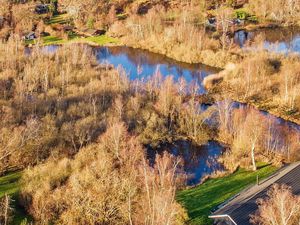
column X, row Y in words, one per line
column 244, row 204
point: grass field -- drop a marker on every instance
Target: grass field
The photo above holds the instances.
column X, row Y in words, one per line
column 101, row 40
column 9, row 184
column 59, row 19
column 201, row 200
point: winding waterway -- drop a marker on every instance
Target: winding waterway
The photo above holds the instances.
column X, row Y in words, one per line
column 139, row 64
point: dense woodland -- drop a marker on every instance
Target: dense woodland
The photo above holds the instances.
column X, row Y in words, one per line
column 79, row 130
column 65, row 111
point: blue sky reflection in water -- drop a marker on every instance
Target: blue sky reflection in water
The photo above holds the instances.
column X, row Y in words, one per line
column 140, row 64
column 279, row 40
column 198, row 160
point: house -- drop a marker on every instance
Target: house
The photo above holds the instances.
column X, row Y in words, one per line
column 241, row 2
column 91, row 32
column 67, row 28
column 237, row 211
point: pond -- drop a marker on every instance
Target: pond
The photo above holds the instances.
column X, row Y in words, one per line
column 198, row 161
column 281, row 40
column 141, row 64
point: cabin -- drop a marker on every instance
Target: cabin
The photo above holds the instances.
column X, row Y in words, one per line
column 237, row 210
column 68, row 28
column 91, row 32
column 241, row 2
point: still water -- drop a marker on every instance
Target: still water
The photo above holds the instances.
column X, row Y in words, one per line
column 141, row 64
column 281, row 40
column 198, row 161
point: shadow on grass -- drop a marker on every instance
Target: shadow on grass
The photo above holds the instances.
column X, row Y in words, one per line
column 201, row 200
column 9, row 184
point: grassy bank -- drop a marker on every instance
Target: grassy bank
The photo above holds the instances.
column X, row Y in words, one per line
column 200, row 200
column 273, row 109
column 94, row 40
column 9, row 184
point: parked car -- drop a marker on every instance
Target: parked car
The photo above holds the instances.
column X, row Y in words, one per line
column 30, row 36
column 42, row 8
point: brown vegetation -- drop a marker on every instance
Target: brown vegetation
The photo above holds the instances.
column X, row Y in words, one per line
column 254, row 137
column 18, row 18
column 78, row 128
column 109, row 182
column 268, row 81
column 82, row 127
column 279, row 10
column 5, row 210
column 55, row 104
column 181, row 40
column 281, row 207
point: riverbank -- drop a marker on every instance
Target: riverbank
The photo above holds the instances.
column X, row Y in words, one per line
column 262, row 105
column 217, row 59
column 265, row 89
column 101, row 40
column 212, row 56
column 201, row 200
column 206, row 57
column 273, row 110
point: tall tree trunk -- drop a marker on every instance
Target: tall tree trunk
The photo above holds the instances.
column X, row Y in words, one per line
column 253, row 157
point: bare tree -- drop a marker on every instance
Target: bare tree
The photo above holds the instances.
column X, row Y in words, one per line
column 5, row 210
column 281, row 207
column 249, row 134
column 224, row 16
column 225, row 110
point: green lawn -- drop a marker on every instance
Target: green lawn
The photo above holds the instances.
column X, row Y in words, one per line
column 9, row 184
column 200, row 200
column 51, row 40
column 59, row 19
column 101, row 40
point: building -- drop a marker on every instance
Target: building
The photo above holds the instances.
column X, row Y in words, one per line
column 237, row 210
